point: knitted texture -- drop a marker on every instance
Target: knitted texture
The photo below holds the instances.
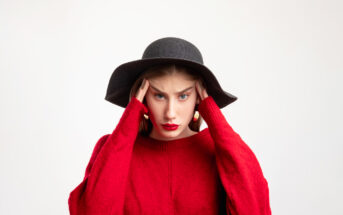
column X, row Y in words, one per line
column 211, row 172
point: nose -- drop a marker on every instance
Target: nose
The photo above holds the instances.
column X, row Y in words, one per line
column 170, row 113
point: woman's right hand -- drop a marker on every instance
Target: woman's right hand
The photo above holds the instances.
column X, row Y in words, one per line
column 142, row 90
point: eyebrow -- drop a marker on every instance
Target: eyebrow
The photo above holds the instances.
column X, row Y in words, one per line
column 160, row 91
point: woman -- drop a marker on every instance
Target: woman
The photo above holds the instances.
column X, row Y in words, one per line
column 157, row 161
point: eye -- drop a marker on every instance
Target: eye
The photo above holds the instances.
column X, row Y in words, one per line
column 159, row 96
column 183, row 96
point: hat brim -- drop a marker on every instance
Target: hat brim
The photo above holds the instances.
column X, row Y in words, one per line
column 124, row 76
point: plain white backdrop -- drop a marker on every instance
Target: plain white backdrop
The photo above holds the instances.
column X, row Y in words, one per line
column 282, row 59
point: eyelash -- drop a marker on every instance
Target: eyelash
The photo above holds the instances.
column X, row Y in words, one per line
column 184, row 94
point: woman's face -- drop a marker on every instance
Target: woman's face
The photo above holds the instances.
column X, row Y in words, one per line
column 171, row 100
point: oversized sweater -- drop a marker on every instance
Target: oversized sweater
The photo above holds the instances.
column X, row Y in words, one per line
column 211, row 172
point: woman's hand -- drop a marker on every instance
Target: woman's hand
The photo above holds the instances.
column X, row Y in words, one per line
column 142, row 90
column 201, row 90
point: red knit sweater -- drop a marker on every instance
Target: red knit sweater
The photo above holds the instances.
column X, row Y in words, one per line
column 211, row 172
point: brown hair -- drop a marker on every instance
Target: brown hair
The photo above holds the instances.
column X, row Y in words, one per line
column 145, row 126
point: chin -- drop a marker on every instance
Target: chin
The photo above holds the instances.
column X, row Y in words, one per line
column 169, row 134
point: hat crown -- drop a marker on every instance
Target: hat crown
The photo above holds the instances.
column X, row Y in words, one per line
column 172, row 47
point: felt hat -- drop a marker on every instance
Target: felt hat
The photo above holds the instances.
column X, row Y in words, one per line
column 164, row 51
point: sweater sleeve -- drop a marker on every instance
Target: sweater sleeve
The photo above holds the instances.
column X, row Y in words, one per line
column 246, row 188
column 102, row 190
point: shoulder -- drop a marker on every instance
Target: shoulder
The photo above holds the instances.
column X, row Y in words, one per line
column 103, row 138
column 205, row 134
column 100, row 143
column 205, row 139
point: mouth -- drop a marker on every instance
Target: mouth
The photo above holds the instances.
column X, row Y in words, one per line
column 170, row 127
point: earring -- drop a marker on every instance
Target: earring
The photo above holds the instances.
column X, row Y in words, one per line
column 146, row 116
column 196, row 116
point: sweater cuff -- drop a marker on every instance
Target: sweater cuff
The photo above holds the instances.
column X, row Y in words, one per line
column 130, row 119
column 211, row 113
column 136, row 103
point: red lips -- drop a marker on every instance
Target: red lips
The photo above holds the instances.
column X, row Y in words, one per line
column 170, row 127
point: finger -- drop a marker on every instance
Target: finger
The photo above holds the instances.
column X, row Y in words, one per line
column 146, row 87
column 205, row 95
column 201, row 91
column 142, row 90
column 143, row 83
column 197, row 88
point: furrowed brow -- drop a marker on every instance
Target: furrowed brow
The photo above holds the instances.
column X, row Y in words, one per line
column 182, row 91
column 160, row 91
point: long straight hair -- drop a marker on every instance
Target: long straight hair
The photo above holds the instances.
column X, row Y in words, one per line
column 146, row 125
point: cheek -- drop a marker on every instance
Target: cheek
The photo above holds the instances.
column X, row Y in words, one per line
column 188, row 109
column 153, row 107
column 191, row 103
column 190, row 112
column 153, row 114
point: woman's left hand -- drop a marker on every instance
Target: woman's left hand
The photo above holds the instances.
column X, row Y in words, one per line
column 201, row 90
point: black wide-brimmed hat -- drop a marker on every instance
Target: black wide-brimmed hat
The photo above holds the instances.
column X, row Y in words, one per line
column 169, row 50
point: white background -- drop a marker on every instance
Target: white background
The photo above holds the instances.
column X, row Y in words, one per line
column 282, row 59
